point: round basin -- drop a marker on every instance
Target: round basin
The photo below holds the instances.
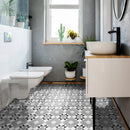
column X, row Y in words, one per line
column 101, row 47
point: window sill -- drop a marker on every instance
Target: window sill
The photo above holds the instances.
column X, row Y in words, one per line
column 63, row 43
column 68, row 41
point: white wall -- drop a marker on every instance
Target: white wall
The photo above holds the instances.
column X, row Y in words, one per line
column 14, row 55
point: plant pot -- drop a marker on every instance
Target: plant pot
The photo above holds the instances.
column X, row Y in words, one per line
column 74, row 40
column 12, row 20
column 84, row 72
column 61, row 39
column 70, row 74
column 21, row 24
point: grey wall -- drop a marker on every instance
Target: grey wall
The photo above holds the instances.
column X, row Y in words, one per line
column 97, row 20
column 105, row 19
column 124, row 104
column 56, row 55
column 88, row 18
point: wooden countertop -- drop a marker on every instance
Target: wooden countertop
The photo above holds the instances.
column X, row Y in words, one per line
column 89, row 55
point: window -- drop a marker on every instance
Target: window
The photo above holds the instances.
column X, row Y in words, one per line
column 66, row 12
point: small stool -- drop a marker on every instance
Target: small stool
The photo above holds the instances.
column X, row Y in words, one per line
column 81, row 77
column 72, row 79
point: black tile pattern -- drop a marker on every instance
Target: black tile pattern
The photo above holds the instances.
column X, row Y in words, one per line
column 59, row 107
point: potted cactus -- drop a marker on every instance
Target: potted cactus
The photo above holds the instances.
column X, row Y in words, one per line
column 70, row 69
column 61, row 32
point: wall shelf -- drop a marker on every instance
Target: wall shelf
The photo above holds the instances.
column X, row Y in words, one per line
column 81, row 77
column 73, row 79
column 63, row 43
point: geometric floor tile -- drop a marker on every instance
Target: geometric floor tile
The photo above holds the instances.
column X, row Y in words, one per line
column 59, row 107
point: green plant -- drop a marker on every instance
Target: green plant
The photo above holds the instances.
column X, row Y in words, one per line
column 61, row 32
column 85, row 46
column 71, row 67
column 72, row 34
column 11, row 8
column 8, row 7
column 5, row 8
column 20, row 18
column 91, row 38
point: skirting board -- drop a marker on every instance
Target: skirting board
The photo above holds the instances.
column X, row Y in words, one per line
column 62, row 82
column 121, row 115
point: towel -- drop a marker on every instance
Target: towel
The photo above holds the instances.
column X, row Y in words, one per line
column 4, row 93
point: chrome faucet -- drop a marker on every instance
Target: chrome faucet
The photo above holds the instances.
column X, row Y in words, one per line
column 118, row 44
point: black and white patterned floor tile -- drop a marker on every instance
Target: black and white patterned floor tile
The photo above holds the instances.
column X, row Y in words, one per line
column 59, row 107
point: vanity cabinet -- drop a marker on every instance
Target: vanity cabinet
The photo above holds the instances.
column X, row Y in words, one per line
column 107, row 75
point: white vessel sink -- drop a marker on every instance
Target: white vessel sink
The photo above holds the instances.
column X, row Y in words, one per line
column 98, row 47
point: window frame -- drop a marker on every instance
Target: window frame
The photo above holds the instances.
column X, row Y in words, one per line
column 48, row 19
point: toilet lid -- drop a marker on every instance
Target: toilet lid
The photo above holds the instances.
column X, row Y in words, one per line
column 28, row 75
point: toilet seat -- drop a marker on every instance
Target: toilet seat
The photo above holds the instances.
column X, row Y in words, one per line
column 27, row 75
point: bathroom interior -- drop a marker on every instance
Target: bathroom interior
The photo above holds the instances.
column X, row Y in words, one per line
column 65, row 65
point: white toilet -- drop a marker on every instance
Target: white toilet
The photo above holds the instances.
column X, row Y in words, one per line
column 18, row 84
column 22, row 82
column 44, row 69
column 4, row 94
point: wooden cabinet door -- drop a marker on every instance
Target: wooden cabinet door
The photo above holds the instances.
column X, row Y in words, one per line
column 108, row 77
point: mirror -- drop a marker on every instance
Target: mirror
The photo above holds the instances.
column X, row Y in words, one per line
column 119, row 8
